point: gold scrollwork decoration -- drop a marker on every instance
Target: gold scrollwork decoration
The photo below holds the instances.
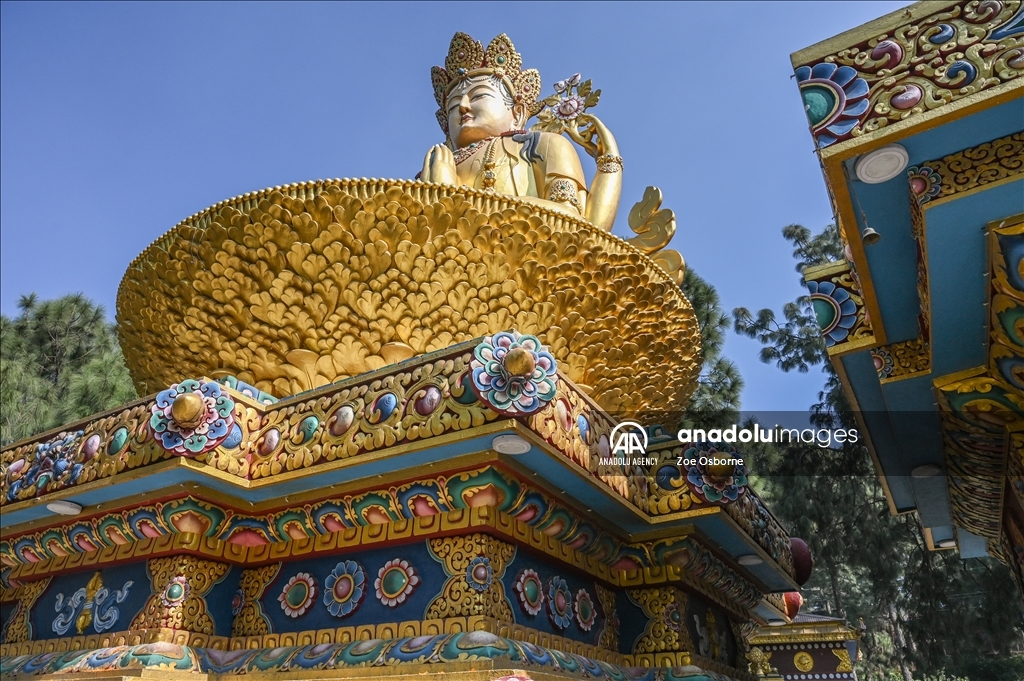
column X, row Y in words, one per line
column 180, row 584
column 911, row 68
column 845, row 664
column 996, row 161
column 18, row 627
column 251, row 620
column 305, row 285
column 475, row 565
column 666, row 630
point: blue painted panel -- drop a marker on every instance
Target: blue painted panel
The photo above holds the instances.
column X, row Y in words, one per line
column 892, row 261
column 50, row 621
column 932, row 495
column 971, row 545
column 547, row 569
column 915, row 420
column 696, row 623
column 371, row 610
column 632, row 622
column 863, row 379
column 218, row 601
column 959, row 274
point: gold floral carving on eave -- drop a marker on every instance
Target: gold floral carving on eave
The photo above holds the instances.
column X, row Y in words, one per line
column 916, row 67
column 970, row 169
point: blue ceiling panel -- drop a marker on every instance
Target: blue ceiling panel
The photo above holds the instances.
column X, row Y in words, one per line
column 885, row 206
column 958, row 271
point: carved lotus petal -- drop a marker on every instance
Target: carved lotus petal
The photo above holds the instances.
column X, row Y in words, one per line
column 300, row 286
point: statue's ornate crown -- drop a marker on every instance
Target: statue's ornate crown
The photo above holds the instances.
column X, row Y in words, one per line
column 467, row 58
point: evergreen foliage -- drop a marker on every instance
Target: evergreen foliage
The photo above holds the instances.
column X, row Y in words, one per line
column 924, row 614
column 716, row 401
column 59, row 361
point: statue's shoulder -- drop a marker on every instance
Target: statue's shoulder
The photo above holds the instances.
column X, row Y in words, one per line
column 544, row 146
column 558, row 154
column 552, row 140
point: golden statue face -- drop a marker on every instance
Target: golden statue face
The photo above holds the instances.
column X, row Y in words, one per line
column 478, row 108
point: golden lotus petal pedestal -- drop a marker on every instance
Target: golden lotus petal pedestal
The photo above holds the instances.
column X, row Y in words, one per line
column 296, row 287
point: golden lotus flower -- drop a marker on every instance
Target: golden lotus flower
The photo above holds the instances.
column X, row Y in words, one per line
column 295, row 287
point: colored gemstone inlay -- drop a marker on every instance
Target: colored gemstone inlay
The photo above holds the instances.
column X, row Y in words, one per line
column 296, row 595
column 395, row 580
column 270, row 441
column 820, row 102
column 383, row 407
column 342, row 420
column 532, row 589
column 117, row 440
column 428, row 401
column 308, row 427
column 343, row 588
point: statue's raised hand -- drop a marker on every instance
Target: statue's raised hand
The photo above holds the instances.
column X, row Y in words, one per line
column 439, row 166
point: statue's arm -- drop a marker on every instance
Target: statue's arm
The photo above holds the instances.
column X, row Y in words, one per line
column 606, row 189
column 561, row 179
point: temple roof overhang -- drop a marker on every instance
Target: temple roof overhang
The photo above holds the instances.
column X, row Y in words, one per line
column 924, row 148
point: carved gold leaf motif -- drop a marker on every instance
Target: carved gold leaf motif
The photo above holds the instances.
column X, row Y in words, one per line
column 296, row 287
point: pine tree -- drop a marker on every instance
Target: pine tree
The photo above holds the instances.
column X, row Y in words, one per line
column 716, row 401
column 59, row 361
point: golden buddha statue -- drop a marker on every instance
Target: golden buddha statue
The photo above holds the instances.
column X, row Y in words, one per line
column 485, row 100
column 307, row 284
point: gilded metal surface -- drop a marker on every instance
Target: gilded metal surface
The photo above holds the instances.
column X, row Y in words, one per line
column 274, row 443
column 251, row 620
column 18, row 627
column 188, row 613
column 457, row 597
column 655, row 226
column 297, row 287
column 845, row 664
column 666, row 628
column 900, row 361
column 803, row 661
column 759, row 662
column 920, row 65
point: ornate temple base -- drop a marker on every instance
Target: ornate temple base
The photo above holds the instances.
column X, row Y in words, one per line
column 473, row 656
column 376, row 522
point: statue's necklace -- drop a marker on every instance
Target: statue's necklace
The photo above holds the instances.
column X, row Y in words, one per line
column 464, row 153
column 489, row 176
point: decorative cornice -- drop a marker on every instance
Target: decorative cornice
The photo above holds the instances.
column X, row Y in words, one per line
column 980, row 408
column 681, row 561
column 894, row 70
column 1001, row 160
column 900, row 361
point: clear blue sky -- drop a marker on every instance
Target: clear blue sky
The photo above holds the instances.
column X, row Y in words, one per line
column 119, row 120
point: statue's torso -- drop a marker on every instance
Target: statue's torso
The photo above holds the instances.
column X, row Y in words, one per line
column 513, row 175
column 523, row 164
